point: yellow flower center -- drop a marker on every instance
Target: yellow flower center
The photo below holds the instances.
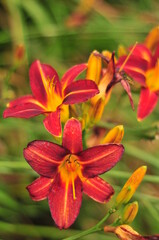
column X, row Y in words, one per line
column 69, row 170
column 54, row 97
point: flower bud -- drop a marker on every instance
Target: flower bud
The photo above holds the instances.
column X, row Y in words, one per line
column 130, row 186
column 124, row 232
column 115, row 135
column 130, row 212
column 94, row 67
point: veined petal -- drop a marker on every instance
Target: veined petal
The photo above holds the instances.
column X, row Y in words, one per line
column 52, row 123
column 98, row 189
column 40, row 77
column 147, row 103
column 100, row 159
column 80, row 91
column 137, row 76
column 72, row 136
column 64, row 208
column 141, row 51
column 134, row 62
column 22, row 100
column 71, row 74
column 24, row 110
column 44, row 157
column 39, row 189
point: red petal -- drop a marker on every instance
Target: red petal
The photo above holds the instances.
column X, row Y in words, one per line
column 147, row 103
column 137, row 76
column 98, row 189
column 44, row 157
column 100, row 159
column 127, row 88
column 80, row 91
column 141, row 51
column 64, row 209
column 39, row 189
column 71, row 74
column 40, row 74
column 24, row 110
column 22, row 100
column 52, row 123
column 72, row 136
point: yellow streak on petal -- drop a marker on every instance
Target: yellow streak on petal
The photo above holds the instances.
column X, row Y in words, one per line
column 127, row 58
column 130, row 186
column 73, row 187
column 115, row 135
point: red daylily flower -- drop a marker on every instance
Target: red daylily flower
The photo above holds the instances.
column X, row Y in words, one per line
column 67, row 170
column 143, row 67
column 51, row 96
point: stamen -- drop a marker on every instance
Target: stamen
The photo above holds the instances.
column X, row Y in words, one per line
column 127, row 58
column 73, row 187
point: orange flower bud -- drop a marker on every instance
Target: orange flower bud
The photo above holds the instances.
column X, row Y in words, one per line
column 130, row 212
column 130, row 186
column 94, row 67
column 115, row 135
column 124, row 232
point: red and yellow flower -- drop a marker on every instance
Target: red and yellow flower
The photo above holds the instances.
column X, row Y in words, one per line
column 51, row 96
column 143, row 67
column 67, row 170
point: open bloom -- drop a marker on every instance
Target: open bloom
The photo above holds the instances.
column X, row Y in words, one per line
column 51, row 96
column 143, row 67
column 67, row 170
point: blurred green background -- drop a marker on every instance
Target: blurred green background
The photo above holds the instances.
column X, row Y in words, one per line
column 63, row 33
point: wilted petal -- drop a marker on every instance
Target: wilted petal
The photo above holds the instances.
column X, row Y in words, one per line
column 52, row 123
column 72, row 136
column 64, row 208
column 39, row 189
column 44, row 157
column 100, row 159
column 24, row 110
column 147, row 103
column 124, row 232
column 71, row 74
column 98, row 189
column 40, row 75
column 127, row 88
column 80, row 91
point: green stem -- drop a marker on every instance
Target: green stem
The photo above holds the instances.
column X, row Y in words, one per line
column 93, row 229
